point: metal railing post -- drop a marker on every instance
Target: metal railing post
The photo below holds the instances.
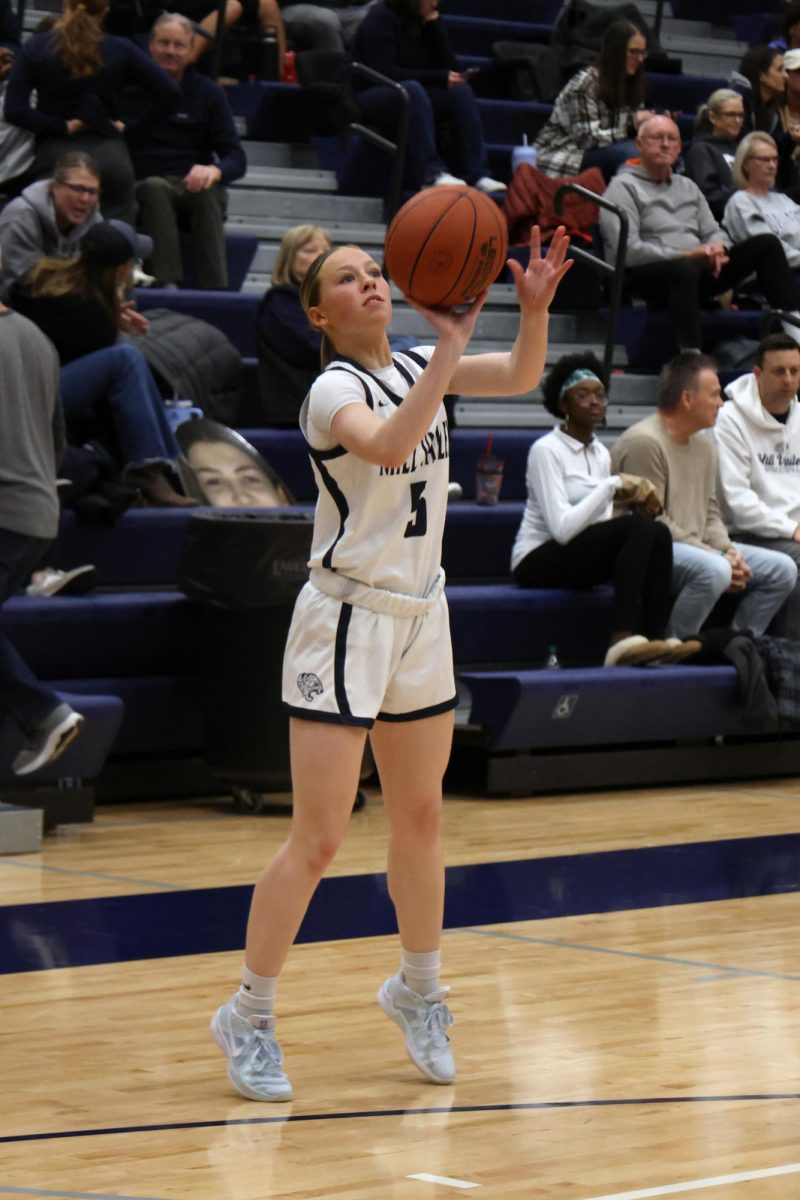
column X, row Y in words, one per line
column 396, row 149
column 616, row 272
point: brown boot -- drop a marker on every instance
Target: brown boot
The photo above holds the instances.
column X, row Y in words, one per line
column 157, row 490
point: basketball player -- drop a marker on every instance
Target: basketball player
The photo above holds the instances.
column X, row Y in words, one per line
column 369, row 646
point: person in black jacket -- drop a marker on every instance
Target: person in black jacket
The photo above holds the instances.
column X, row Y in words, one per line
column 79, row 74
column 288, row 346
column 184, row 162
column 708, row 161
column 405, row 40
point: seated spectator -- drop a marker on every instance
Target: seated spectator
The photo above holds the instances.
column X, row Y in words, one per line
column 263, row 15
column 709, row 157
column 670, row 449
column 78, row 75
column 30, row 451
column 288, row 345
column 758, row 444
column 756, row 208
column 76, row 302
column 16, row 145
column 788, row 37
column 568, row 537
column 761, row 82
column 600, row 110
column 790, row 120
column 183, row 163
column 324, row 25
column 405, row 40
column 677, row 255
column 50, row 217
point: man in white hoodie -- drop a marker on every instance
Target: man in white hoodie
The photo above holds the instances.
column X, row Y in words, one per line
column 758, row 443
column 677, row 255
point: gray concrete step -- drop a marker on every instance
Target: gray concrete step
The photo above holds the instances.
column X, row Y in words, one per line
column 287, row 178
column 257, row 205
column 280, row 154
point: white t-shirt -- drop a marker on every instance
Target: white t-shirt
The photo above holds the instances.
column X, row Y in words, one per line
column 382, row 526
column 570, row 486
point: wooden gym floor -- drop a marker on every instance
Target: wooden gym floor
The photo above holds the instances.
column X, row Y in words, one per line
column 623, row 968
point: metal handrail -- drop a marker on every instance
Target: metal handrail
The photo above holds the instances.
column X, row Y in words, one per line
column 617, row 271
column 397, row 149
column 215, row 53
column 658, row 18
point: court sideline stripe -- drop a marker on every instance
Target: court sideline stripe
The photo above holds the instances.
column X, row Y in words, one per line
column 696, row 1185
column 303, row 1118
column 156, row 883
column 558, row 943
column 27, row 1191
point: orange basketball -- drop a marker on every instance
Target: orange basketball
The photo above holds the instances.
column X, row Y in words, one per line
column 446, row 245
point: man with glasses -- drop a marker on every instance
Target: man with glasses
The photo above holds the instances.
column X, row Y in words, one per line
column 677, row 255
column 49, row 218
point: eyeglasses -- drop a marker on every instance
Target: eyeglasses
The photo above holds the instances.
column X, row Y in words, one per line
column 735, row 116
column 86, row 192
column 765, row 158
column 638, row 53
column 660, row 137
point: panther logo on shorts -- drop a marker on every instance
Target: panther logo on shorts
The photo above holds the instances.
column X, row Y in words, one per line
column 310, row 685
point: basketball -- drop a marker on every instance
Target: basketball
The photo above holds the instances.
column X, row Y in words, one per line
column 446, row 245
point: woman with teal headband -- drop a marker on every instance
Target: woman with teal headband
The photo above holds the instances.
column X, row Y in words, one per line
column 568, row 536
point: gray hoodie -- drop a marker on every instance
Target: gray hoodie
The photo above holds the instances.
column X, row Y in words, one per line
column 28, row 232
column 665, row 219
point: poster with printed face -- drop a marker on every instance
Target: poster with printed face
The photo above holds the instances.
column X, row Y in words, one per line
column 220, row 468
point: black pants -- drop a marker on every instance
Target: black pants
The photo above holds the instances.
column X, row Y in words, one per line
column 634, row 553
column 22, row 697
column 681, row 285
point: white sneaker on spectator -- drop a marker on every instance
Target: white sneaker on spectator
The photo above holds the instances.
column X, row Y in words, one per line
column 50, row 581
column 444, row 177
column 47, row 739
column 488, row 185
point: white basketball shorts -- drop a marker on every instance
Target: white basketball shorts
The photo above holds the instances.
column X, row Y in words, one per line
column 350, row 665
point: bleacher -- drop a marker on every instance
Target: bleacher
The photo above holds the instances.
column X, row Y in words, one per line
column 133, row 651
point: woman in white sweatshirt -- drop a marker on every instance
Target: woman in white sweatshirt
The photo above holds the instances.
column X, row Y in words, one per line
column 568, row 536
column 756, row 208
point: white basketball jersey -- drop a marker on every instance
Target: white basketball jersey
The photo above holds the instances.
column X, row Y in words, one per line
column 380, row 525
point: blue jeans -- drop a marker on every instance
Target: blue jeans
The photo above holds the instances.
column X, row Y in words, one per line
column 22, row 697
column 427, row 107
column 120, row 375
column 700, row 578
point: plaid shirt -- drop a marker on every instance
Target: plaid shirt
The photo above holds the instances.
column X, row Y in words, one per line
column 579, row 121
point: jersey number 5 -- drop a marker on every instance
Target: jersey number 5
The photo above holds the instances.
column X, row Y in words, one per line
column 418, row 525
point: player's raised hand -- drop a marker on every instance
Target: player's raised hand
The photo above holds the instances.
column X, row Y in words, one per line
column 452, row 324
column 537, row 284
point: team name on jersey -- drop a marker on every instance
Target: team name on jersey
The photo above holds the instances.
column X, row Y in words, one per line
column 433, row 447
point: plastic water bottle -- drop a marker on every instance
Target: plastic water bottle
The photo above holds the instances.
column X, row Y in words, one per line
column 180, row 410
column 551, row 662
column 524, row 154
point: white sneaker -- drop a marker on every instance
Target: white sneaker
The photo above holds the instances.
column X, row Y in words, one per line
column 423, row 1019
column 444, row 177
column 487, row 184
column 72, row 583
column 47, row 739
column 255, row 1062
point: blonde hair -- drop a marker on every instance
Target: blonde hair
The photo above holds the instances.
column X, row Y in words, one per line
column 292, row 241
column 702, row 122
column 77, row 37
column 744, row 151
column 309, row 298
column 71, row 276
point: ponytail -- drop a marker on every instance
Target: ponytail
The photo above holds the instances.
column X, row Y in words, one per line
column 78, row 36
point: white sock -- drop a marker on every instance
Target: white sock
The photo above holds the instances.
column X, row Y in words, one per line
column 421, row 970
column 256, row 996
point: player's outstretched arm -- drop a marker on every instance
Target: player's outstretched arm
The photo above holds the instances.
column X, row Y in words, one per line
column 520, row 370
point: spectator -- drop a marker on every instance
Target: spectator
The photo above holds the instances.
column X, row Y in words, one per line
column 16, row 145
column 761, row 82
column 789, row 29
column 599, row 111
column 30, row 449
column 756, row 208
column 790, row 122
column 264, row 15
column 288, row 346
column 758, row 443
column 183, row 163
column 325, row 25
column 568, row 537
column 677, row 255
column 78, row 74
column 76, row 303
column 50, row 217
column 669, row 449
column 709, row 158
column 405, row 40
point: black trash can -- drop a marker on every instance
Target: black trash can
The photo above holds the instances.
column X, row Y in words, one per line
column 246, row 569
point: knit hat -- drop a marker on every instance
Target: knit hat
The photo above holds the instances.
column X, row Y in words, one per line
column 112, row 243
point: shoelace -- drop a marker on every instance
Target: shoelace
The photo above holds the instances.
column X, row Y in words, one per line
column 436, row 1018
column 266, row 1052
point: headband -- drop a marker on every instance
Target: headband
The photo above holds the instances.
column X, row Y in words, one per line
column 581, row 375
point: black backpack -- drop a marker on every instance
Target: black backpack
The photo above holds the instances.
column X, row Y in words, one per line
column 532, row 72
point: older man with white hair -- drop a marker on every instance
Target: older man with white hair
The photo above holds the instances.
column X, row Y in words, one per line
column 183, row 163
column 677, row 255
